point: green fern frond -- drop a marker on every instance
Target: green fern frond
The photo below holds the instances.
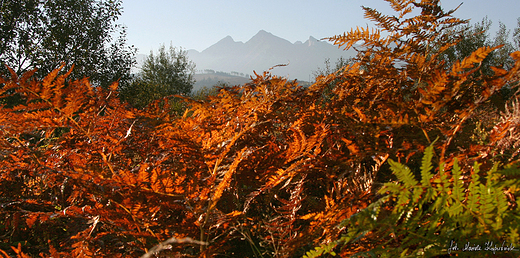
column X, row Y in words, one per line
column 473, row 189
column 426, row 166
column 510, row 171
column 424, row 226
column 486, row 205
column 426, row 175
column 409, row 190
column 458, row 184
column 403, row 174
column 322, row 249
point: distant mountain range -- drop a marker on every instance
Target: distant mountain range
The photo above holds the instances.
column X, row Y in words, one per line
column 261, row 52
column 265, row 50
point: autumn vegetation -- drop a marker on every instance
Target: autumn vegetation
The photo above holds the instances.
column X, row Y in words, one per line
column 398, row 150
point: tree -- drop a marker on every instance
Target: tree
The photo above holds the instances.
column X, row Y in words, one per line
column 472, row 37
column 516, row 34
column 44, row 34
column 501, row 56
column 165, row 74
column 469, row 38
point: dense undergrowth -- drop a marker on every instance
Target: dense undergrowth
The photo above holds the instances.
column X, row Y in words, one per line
column 269, row 168
column 448, row 212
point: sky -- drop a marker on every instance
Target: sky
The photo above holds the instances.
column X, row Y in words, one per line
column 198, row 24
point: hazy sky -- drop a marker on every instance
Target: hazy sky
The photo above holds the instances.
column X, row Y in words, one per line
column 197, row 24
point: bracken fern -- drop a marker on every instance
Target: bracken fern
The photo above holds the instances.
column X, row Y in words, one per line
column 427, row 217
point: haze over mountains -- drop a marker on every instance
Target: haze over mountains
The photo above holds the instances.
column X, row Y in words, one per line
column 261, row 52
column 265, row 50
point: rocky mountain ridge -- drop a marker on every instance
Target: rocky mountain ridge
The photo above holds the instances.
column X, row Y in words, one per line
column 265, row 50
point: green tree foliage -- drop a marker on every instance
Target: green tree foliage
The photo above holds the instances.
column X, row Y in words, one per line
column 470, row 37
column 43, row 34
column 170, row 72
column 516, row 34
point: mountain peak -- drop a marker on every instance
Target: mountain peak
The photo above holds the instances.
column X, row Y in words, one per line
column 226, row 39
column 266, row 38
column 265, row 50
column 262, row 34
column 312, row 41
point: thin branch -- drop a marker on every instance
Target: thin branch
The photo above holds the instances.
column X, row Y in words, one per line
column 166, row 245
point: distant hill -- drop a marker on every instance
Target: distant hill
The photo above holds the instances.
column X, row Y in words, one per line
column 265, row 50
column 209, row 80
